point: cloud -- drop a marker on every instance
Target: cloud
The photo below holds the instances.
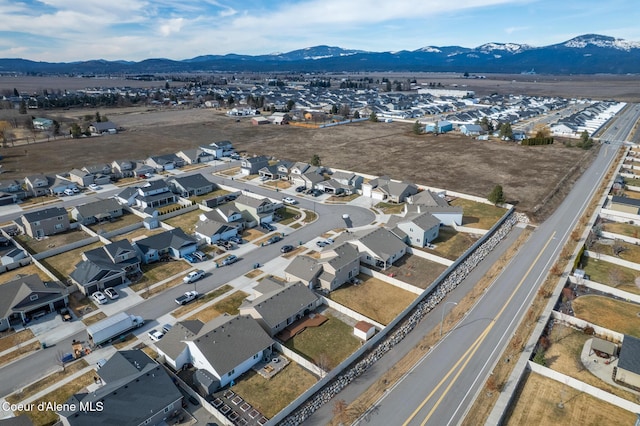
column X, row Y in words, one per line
column 171, row 26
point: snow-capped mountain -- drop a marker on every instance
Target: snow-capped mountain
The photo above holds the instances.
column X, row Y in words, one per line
column 604, row 42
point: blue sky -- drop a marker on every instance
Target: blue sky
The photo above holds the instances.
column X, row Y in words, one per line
column 76, row 30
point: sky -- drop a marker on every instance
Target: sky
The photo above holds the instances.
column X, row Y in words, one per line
column 133, row 30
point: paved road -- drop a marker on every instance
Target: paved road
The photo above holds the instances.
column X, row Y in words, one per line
column 443, row 386
column 41, row 363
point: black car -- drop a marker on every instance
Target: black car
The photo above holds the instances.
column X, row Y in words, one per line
column 301, row 188
column 316, row 192
column 286, row 249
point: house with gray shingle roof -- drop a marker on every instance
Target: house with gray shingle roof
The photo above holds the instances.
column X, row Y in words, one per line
column 136, row 390
column 388, row 190
column 195, row 156
column 305, row 269
column 281, row 307
column 174, row 243
column 628, row 369
column 226, row 346
column 251, row 165
column 377, row 247
column 40, row 223
column 26, row 295
column 192, row 185
column 417, row 229
column 97, row 211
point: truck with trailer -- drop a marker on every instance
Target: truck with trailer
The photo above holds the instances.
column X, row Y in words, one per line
column 113, row 327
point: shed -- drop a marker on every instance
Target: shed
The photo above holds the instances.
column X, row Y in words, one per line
column 603, row 346
column 364, row 330
column 257, row 121
column 205, row 382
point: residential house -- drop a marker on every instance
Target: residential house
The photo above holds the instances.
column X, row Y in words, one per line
column 165, row 162
column 81, row 177
column 101, row 173
column 341, row 183
column 305, row 269
column 143, row 170
column 27, row 296
column 12, row 189
column 417, row 229
column 388, row 190
column 189, row 186
column 59, row 184
column 40, row 123
column 340, row 264
column 299, row 168
column 215, row 230
column 103, row 127
column 226, row 346
column 37, row 185
column 256, row 210
column 269, row 172
column 97, row 211
column 281, row 307
column 218, row 149
column 251, row 165
column 174, row 243
column 310, row 179
column 195, row 156
column 154, row 194
column 127, row 197
column 107, row 266
column 280, row 118
column 628, row 368
column 40, row 223
column 123, row 168
column 135, row 390
column 284, row 169
column 377, row 247
column 471, row 129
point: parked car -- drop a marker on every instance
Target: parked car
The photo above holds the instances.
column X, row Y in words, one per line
column 193, row 276
column 201, row 256
column 68, row 192
column 321, row 243
column 316, row 192
column 155, row 335
column 166, row 328
column 230, row 260
column 273, row 240
column 112, row 293
column 75, row 190
column 263, row 178
column 330, row 240
column 236, row 240
column 286, row 248
column 289, row 200
column 99, row 297
column 94, row 187
column 269, row 227
column 190, row 258
column 301, row 188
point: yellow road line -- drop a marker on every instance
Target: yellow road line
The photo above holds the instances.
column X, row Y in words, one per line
column 466, row 357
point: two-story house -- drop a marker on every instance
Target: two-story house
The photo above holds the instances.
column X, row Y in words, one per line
column 154, row 194
column 40, row 223
column 252, row 165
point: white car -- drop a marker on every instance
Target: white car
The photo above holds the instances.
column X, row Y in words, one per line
column 155, row 335
column 112, row 293
column 99, row 297
column 289, row 200
column 94, row 187
column 193, row 276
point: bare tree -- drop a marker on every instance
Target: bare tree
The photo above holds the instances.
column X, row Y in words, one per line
column 340, row 409
column 616, row 277
column 618, row 248
column 323, row 362
column 59, row 358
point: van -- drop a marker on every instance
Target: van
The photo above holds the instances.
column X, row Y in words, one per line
column 68, row 192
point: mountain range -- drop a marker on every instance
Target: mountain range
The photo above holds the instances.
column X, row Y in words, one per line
column 585, row 54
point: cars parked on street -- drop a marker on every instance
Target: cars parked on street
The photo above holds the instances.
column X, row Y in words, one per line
column 301, row 188
column 273, row 240
column 230, row 260
column 289, row 200
column 286, row 248
column 94, row 187
column 193, row 276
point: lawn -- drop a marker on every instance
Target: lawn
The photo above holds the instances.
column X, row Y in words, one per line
column 186, row 221
column 60, row 396
column 251, row 234
column 270, row 396
column 94, row 318
column 47, row 243
column 622, row 229
column 310, row 216
column 278, row 184
column 158, row 271
column 120, row 222
column 609, row 313
column 81, row 304
column 138, row 233
column 390, row 208
column 24, row 270
column 61, row 265
column 478, row 215
column 185, row 309
column 47, row 381
column 327, row 345
column 11, row 340
column 608, row 273
column 414, row 270
column 373, row 298
column 450, row 243
column 564, row 356
column 342, row 198
column 228, row 305
column 538, row 400
column 288, row 215
column 210, row 195
column 631, row 252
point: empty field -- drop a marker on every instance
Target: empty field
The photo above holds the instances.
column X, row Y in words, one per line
column 61, row 265
column 609, row 313
column 47, row 243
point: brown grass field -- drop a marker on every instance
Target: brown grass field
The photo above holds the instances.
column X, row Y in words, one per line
column 467, row 165
column 539, row 397
column 609, row 313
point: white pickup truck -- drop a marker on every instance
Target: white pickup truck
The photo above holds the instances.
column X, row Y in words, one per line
column 187, row 297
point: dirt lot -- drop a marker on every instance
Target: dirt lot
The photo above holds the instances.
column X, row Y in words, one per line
column 465, row 165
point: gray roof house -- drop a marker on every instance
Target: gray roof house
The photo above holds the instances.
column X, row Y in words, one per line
column 103, row 127
column 165, row 162
column 416, row 229
column 97, row 211
column 251, row 165
column 106, row 266
column 218, row 149
column 628, row 369
column 26, row 296
column 174, row 243
column 340, row 264
column 40, row 223
column 377, row 247
column 388, row 190
column 215, row 230
column 136, row 391
column 37, row 185
column 193, row 185
column 122, row 168
column 81, row 177
column 305, row 269
column 259, row 210
column 195, row 156
column 226, row 346
column 154, row 194
column 282, row 307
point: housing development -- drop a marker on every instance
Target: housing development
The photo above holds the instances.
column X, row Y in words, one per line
column 212, row 283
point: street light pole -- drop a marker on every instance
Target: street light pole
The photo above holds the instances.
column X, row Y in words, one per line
column 443, row 309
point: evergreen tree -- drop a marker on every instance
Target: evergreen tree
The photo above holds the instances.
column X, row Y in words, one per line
column 316, row 161
column 496, row 196
column 23, row 107
column 373, row 117
column 417, row 128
